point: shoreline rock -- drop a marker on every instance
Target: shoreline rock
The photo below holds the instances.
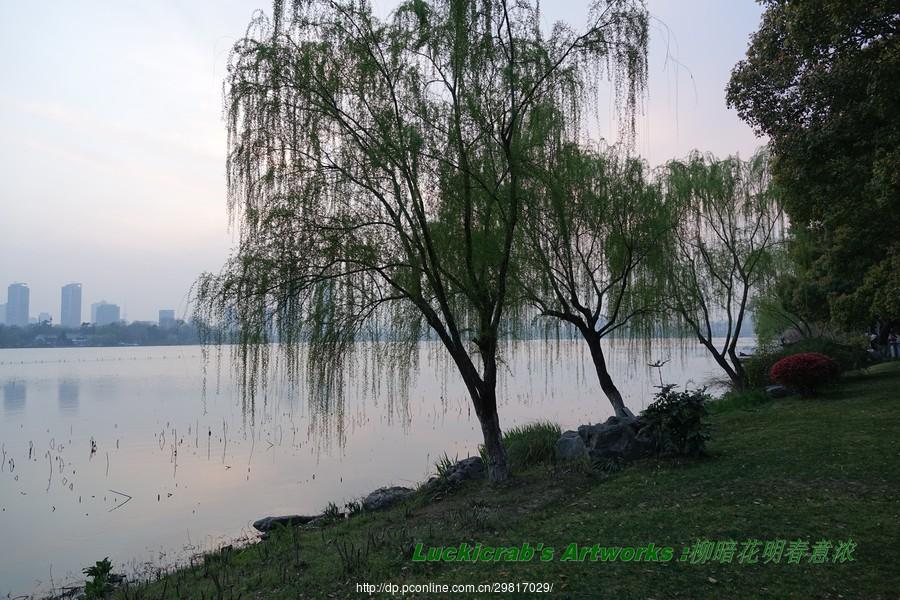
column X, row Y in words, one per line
column 616, row 439
column 385, row 497
column 267, row 524
column 777, row 391
column 570, row 446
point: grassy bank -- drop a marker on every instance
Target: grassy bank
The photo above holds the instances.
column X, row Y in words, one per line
column 827, row 468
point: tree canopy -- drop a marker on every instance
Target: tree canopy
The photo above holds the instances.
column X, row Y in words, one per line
column 592, row 247
column 723, row 249
column 820, row 80
column 377, row 170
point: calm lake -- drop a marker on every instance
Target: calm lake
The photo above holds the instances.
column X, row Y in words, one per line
column 82, row 430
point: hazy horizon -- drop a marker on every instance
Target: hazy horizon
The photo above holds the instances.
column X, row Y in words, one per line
column 113, row 171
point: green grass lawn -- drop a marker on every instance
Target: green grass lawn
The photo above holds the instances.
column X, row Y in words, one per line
column 811, row 469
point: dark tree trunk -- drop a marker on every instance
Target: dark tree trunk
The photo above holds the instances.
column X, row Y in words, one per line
column 606, row 383
column 483, row 392
column 883, row 331
column 739, row 381
column 497, row 461
column 737, row 376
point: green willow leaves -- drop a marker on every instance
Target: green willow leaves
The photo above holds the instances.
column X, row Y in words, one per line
column 377, row 172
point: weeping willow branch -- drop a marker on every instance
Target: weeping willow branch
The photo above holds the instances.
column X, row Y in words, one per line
column 591, row 247
column 377, row 171
column 730, row 228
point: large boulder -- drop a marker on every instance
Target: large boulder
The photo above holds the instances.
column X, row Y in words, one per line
column 570, row 446
column 617, row 438
column 385, row 497
column 467, row 468
column 269, row 523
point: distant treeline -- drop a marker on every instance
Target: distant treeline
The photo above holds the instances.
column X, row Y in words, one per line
column 117, row 334
column 139, row 333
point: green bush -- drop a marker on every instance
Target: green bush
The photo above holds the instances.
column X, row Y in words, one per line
column 676, row 422
column 849, row 356
column 99, row 583
column 531, row 444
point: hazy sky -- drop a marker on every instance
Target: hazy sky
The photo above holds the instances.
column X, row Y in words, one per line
column 112, row 142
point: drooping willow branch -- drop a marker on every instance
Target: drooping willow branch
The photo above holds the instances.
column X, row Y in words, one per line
column 377, row 172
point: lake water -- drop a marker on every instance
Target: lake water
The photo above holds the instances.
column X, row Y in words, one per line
column 84, row 429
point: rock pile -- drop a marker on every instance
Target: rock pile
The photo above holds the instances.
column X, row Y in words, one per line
column 616, row 439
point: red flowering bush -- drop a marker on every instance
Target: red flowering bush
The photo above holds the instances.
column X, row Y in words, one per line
column 805, row 372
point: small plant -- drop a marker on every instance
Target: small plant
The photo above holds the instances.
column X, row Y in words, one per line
column 443, row 465
column 353, row 560
column 608, row 466
column 473, row 517
column 531, row 444
column 676, row 421
column 332, row 512
column 805, row 372
column 99, row 583
column 353, row 507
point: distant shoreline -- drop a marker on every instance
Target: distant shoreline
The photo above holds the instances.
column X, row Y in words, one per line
column 113, row 335
column 74, row 347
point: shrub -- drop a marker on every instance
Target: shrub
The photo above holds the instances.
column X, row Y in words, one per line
column 100, row 582
column 531, row 444
column 676, row 421
column 805, row 372
column 849, row 356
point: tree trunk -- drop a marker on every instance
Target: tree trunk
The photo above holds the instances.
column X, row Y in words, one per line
column 606, row 383
column 482, row 391
column 738, row 379
column 740, row 375
column 497, row 461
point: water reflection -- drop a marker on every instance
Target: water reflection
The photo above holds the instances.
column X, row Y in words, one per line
column 197, row 463
column 68, row 397
column 14, row 396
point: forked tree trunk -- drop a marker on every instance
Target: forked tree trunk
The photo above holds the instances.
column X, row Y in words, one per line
column 735, row 372
column 606, row 383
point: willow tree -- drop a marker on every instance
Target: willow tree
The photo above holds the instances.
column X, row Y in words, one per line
column 377, row 168
column 723, row 249
column 592, row 237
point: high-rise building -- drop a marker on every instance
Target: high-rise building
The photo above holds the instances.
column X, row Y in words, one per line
column 94, row 308
column 166, row 318
column 70, row 308
column 17, row 304
column 107, row 314
column 2, row 314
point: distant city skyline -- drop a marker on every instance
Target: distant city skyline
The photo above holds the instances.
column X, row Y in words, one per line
column 21, row 311
column 112, row 172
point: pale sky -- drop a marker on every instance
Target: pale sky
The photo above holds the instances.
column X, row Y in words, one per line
column 112, row 142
